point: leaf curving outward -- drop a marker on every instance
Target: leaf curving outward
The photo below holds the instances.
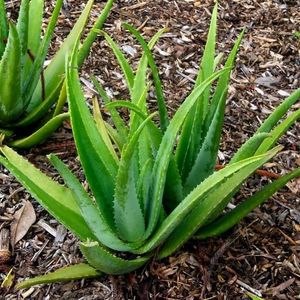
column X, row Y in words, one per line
column 67, row 273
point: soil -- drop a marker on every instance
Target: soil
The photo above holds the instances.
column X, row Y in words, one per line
column 261, row 254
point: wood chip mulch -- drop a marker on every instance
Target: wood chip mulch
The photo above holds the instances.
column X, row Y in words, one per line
column 261, row 254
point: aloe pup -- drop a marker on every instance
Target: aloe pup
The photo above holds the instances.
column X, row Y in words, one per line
column 31, row 97
column 153, row 185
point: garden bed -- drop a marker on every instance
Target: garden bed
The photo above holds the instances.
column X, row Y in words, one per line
column 261, row 254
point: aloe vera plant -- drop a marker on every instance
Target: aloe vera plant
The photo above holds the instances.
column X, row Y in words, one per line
column 31, row 97
column 154, row 185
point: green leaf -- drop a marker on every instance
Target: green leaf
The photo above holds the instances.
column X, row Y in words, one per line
column 126, row 203
column 279, row 112
column 38, row 112
column 117, row 120
column 223, row 82
column 165, row 152
column 272, row 120
column 140, row 85
column 3, row 27
column 89, row 210
column 278, row 131
column 35, row 21
column 163, row 114
column 192, row 131
column 102, row 260
column 22, row 27
column 99, row 165
column 73, row 272
column 206, row 158
column 173, row 193
column 55, row 198
column 41, row 134
column 243, row 209
column 31, row 82
column 92, row 35
column 249, row 148
column 36, row 9
column 207, row 64
column 11, row 102
column 206, row 205
column 103, row 129
column 129, row 75
column 254, row 297
column 54, row 72
column 189, row 205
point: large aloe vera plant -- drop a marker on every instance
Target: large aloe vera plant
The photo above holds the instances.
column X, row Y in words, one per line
column 153, row 185
column 31, row 97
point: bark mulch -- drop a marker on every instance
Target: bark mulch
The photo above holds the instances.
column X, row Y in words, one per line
column 261, row 254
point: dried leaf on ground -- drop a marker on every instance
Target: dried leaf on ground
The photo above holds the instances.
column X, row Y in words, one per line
column 23, row 219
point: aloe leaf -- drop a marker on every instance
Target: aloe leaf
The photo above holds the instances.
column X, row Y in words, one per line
column 278, row 131
column 32, row 79
column 54, row 72
column 22, row 27
column 279, row 112
column 73, row 272
column 163, row 114
column 127, row 104
column 11, row 102
column 92, row 35
column 189, row 143
column 165, row 152
column 129, row 75
column 117, row 120
column 140, row 87
column 143, row 183
column 206, row 207
column 38, row 112
column 115, row 136
column 249, row 148
column 206, row 158
column 55, row 198
column 41, row 134
column 217, row 60
column 35, row 21
column 222, row 85
column 99, row 165
column 104, row 261
column 103, row 129
column 196, row 197
column 127, row 203
column 243, row 209
column 3, row 27
column 36, row 9
column 173, row 193
column 207, row 63
column 273, row 119
column 62, row 98
column 142, row 115
column 140, row 77
column 89, row 211
column 7, row 133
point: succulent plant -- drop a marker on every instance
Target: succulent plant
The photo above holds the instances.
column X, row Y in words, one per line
column 153, row 186
column 31, row 96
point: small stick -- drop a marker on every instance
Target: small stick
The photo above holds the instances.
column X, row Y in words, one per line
column 4, row 246
column 259, row 172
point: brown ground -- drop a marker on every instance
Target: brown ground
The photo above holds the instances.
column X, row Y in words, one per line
column 261, row 254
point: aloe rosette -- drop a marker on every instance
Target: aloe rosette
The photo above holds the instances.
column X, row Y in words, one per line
column 154, row 186
column 31, row 96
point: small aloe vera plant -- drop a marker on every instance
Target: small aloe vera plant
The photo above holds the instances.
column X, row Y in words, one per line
column 31, row 98
column 154, row 186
